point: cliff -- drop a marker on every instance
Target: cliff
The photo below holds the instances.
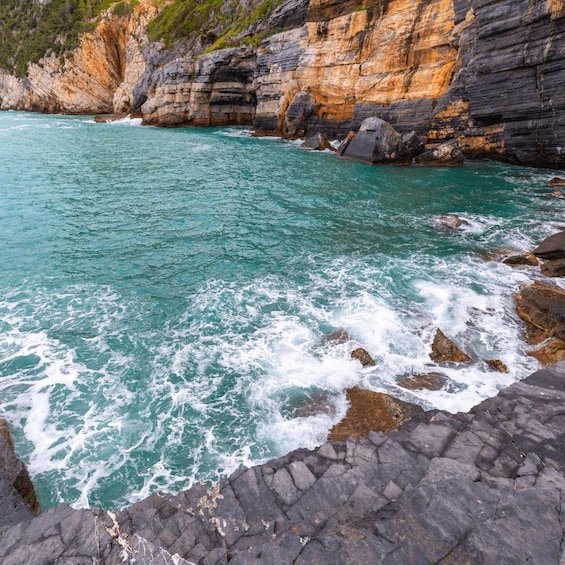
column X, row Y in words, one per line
column 481, row 487
column 490, row 74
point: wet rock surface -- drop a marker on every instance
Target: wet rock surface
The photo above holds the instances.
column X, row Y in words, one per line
column 372, row 411
column 428, row 381
column 482, row 487
column 445, row 351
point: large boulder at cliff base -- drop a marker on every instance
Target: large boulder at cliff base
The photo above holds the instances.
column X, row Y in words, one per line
column 372, row 411
column 302, row 107
column 413, row 143
column 446, row 154
column 551, row 248
column 445, row 351
column 376, row 142
column 316, row 142
column 345, row 143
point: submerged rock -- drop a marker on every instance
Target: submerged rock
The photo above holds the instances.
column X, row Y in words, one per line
column 363, row 357
column 428, row 381
column 445, row 351
column 316, row 142
column 449, row 222
column 521, row 260
column 372, row 411
column 446, row 154
column 556, row 181
column 376, row 142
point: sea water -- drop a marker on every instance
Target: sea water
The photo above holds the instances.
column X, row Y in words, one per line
column 164, row 294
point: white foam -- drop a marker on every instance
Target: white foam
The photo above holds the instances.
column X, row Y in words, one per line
column 126, row 121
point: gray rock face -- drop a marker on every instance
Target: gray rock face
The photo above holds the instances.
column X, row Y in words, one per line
column 551, row 248
column 482, row 487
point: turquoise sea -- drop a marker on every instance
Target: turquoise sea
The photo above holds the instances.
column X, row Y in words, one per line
column 164, row 294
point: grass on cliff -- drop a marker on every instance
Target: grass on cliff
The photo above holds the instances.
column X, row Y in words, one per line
column 219, row 23
column 29, row 30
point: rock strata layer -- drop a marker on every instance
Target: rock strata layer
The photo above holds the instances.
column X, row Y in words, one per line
column 488, row 77
column 487, row 486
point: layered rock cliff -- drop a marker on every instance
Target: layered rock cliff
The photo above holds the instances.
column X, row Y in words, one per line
column 488, row 73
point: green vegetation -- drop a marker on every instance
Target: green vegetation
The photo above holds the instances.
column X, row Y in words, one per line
column 29, row 30
column 219, row 23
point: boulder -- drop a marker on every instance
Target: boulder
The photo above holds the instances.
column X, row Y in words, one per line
column 413, row 143
column 497, row 365
column 446, row 154
column 376, row 142
column 549, row 352
column 551, row 248
column 521, row 260
column 556, row 181
column 363, row 357
column 316, row 142
column 449, row 222
column 345, row 143
column 445, row 351
column 302, row 107
column 372, row 411
column 428, row 381
column 554, row 268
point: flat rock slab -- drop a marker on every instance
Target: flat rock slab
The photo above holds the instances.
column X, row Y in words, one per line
column 428, row 381
column 543, row 307
column 486, row 486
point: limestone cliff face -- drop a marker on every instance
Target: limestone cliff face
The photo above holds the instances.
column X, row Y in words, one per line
column 490, row 74
column 97, row 77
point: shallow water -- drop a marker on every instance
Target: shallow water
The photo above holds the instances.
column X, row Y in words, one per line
column 164, row 294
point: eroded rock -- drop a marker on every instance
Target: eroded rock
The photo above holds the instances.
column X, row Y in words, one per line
column 316, row 142
column 337, row 337
column 497, row 365
column 446, row 154
column 449, row 222
column 372, row 411
column 554, row 268
column 363, row 357
column 445, row 351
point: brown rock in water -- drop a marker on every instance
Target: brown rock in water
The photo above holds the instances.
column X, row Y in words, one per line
column 428, row 381
column 363, row 357
column 12, row 469
column 497, row 365
column 543, row 308
column 554, row 268
column 551, row 248
column 372, row 411
column 556, row 181
column 521, row 260
column 445, row 351
column 446, row 154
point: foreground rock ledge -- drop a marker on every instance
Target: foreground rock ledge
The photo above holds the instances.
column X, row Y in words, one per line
column 482, row 487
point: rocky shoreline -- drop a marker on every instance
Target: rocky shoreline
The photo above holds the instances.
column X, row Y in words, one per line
column 482, row 487
column 486, row 486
